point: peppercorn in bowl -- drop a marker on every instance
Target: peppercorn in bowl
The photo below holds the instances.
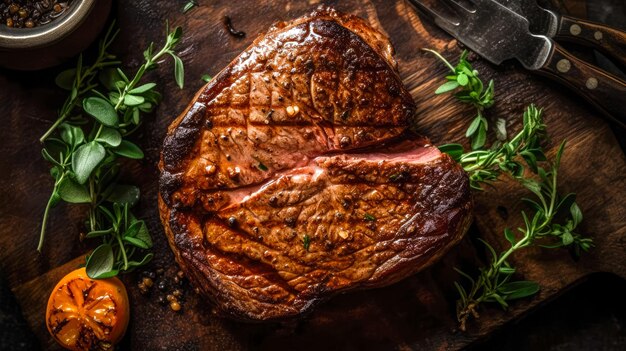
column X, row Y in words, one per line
column 36, row 34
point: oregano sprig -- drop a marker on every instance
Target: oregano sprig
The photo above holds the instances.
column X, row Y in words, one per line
column 472, row 91
column 92, row 131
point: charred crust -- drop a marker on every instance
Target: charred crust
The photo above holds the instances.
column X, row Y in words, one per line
column 182, row 139
column 168, row 184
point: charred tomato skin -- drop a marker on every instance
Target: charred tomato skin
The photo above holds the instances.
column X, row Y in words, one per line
column 87, row 314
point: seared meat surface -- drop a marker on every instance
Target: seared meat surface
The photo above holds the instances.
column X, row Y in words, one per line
column 291, row 176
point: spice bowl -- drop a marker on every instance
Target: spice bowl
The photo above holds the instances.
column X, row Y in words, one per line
column 50, row 44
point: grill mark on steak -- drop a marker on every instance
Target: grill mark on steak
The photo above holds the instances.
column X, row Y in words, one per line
column 318, row 102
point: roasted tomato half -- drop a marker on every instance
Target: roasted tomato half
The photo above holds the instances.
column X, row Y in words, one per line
column 87, row 314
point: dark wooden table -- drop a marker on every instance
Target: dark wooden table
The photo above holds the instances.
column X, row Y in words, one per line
column 415, row 313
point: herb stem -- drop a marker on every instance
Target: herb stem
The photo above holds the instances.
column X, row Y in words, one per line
column 42, row 233
column 122, row 249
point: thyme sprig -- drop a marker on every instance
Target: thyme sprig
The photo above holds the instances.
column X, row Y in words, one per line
column 92, row 130
column 552, row 222
column 472, row 91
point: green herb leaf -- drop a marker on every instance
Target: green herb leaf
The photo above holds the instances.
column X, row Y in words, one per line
column 508, row 234
column 143, row 234
column 100, row 263
column 101, row 110
column 473, row 126
column 143, row 88
column 129, row 150
column 146, row 259
column 108, row 77
column 519, row 289
column 110, row 136
column 446, row 87
column 189, row 5
column 454, row 150
column 86, row 159
column 124, row 194
column 72, row 192
column 369, row 217
column 65, row 79
column 99, row 233
column 179, row 71
column 72, row 135
column 306, row 242
column 122, row 75
column 507, row 270
column 567, row 238
column 207, row 78
column 462, row 79
column 262, row 167
column 136, row 242
column 133, row 100
column 577, row 215
column 480, row 138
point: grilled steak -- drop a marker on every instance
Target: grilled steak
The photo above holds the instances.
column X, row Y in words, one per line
column 292, row 177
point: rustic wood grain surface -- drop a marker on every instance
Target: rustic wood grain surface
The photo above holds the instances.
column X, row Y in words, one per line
column 417, row 313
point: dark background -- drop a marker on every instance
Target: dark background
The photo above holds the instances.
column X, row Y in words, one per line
column 591, row 316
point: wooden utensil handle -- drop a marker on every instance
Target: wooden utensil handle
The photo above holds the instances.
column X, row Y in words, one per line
column 609, row 40
column 602, row 89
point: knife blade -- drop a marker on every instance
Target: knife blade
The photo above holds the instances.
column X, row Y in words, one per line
column 497, row 34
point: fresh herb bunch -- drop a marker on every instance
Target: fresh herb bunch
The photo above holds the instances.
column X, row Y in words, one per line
column 92, row 130
column 473, row 92
column 495, row 282
column 554, row 218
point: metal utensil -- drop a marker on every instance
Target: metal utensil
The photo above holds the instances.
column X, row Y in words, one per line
column 497, row 34
column 610, row 41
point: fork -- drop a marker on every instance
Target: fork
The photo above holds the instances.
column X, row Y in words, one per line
column 497, row 34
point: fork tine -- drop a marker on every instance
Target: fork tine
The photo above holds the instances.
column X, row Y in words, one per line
column 442, row 21
column 457, row 7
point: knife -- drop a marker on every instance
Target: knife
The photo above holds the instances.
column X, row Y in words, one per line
column 496, row 33
column 610, row 41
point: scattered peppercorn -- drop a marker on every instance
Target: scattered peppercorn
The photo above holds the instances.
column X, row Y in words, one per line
column 142, row 288
column 177, row 293
column 175, row 306
column 170, row 297
column 180, row 274
column 147, row 282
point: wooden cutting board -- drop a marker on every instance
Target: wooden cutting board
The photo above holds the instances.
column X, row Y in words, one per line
column 417, row 313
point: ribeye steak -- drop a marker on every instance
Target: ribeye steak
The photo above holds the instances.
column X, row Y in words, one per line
column 292, row 176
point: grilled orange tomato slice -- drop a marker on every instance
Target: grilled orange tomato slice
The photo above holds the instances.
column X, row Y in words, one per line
column 87, row 314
